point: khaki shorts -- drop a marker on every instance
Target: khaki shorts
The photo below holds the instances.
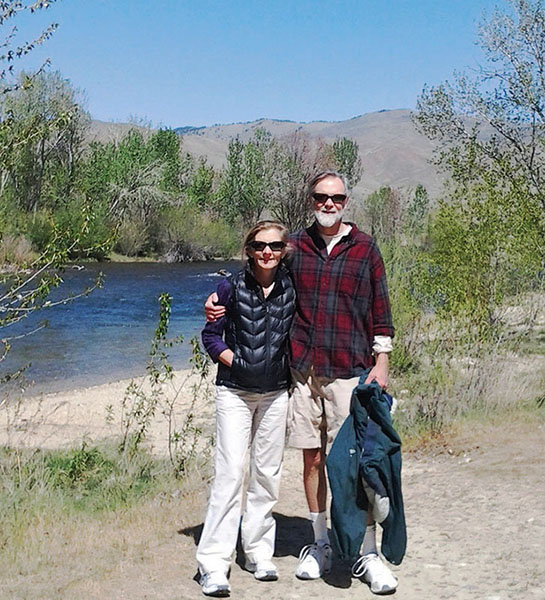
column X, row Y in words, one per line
column 318, row 407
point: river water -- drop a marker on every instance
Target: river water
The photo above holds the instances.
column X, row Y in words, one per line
column 107, row 335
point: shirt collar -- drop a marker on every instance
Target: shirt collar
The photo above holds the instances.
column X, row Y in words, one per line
column 319, row 242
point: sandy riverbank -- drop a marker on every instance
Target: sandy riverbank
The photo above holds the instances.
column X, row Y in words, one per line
column 61, row 419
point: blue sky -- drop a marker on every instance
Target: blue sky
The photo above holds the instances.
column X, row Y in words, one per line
column 175, row 63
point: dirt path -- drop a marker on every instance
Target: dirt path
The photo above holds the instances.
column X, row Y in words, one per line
column 475, row 516
column 476, row 527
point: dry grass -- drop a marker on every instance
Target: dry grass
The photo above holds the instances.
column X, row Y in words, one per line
column 459, row 436
column 436, row 398
column 75, row 518
column 64, row 554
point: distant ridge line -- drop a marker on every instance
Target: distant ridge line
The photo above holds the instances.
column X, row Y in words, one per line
column 189, row 128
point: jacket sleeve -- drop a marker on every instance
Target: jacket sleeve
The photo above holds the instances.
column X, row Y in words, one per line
column 212, row 334
column 380, row 467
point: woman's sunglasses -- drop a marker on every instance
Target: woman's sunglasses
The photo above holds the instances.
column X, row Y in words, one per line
column 260, row 246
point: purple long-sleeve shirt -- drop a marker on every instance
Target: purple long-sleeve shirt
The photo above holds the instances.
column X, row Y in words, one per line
column 212, row 334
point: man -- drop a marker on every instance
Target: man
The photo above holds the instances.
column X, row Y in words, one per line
column 342, row 326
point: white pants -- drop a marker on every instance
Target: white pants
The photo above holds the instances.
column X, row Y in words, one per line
column 244, row 419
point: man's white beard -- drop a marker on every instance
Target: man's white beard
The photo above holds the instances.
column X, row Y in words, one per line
column 327, row 220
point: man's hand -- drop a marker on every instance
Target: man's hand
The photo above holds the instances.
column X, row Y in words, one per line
column 379, row 372
column 212, row 310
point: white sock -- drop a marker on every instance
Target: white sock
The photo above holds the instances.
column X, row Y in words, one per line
column 319, row 526
column 369, row 545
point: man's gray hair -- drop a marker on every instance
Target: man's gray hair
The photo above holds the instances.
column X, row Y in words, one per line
column 322, row 175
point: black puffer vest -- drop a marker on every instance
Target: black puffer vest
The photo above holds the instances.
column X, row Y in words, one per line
column 257, row 331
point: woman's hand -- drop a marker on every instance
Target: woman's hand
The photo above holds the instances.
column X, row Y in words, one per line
column 212, row 310
column 226, row 357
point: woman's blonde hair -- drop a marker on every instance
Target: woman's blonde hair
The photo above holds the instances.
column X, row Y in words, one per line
column 262, row 226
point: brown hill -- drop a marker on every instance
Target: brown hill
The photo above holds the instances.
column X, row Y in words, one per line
column 392, row 151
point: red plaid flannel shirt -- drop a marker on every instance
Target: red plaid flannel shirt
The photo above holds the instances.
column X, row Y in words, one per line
column 342, row 303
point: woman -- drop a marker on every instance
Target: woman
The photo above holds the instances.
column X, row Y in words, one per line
column 250, row 345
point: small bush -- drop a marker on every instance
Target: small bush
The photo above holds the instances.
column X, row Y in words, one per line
column 185, row 235
column 132, row 238
column 40, row 230
column 84, row 467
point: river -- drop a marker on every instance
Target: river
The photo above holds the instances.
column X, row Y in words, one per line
column 107, row 335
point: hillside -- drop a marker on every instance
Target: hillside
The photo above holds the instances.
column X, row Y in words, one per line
column 392, row 151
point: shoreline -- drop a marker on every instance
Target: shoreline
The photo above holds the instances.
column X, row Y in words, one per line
column 13, row 268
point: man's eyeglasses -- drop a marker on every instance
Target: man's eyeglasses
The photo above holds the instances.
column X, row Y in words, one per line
column 322, row 198
column 260, row 246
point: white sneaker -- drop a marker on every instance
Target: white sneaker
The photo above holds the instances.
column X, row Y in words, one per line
column 215, row 584
column 263, row 570
column 314, row 561
column 375, row 573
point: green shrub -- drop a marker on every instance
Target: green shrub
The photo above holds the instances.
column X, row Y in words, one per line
column 92, row 229
column 40, row 230
column 84, row 467
column 87, row 478
column 15, row 250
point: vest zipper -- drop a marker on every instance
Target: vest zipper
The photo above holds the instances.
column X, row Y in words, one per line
column 267, row 339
